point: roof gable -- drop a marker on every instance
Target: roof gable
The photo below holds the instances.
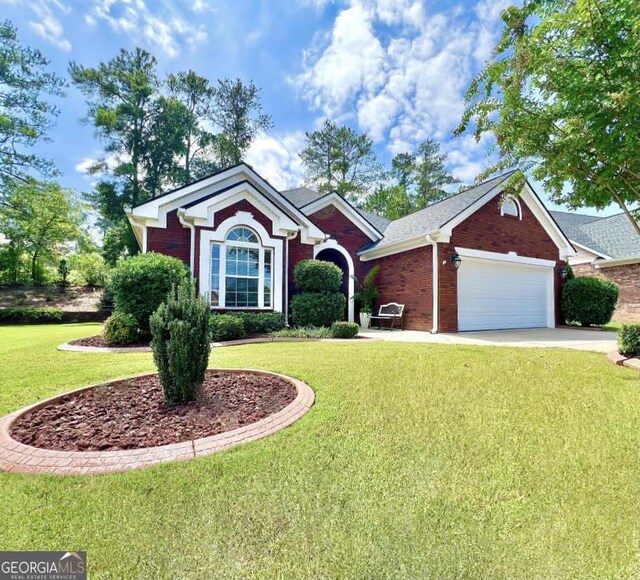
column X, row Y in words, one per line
column 214, row 188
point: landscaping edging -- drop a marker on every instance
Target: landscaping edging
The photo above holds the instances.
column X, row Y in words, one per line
column 618, row 359
column 105, row 349
column 16, row 457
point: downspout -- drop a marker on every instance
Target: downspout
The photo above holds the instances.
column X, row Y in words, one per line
column 291, row 236
column 434, row 281
column 192, row 249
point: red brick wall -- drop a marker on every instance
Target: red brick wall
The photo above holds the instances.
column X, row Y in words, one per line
column 406, row 278
column 174, row 241
column 627, row 278
column 297, row 252
column 334, row 223
column 487, row 230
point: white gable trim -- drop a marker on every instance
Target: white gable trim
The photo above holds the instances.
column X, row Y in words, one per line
column 617, row 262
column 531, row 200
column 594, row 252
column 154, row 212
column 203, row 214
column 345, row 208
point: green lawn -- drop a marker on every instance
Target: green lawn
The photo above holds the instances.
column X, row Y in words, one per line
column 417, row 461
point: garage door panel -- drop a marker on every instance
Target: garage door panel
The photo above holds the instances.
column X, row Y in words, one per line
column 500, row 295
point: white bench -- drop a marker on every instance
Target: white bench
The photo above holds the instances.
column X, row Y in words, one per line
column 393, row 313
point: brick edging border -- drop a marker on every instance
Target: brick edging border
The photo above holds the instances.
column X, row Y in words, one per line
column 67, row 347
column 618, row 359
column 16, row 457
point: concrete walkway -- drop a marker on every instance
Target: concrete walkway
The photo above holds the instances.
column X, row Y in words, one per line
column 573, row 338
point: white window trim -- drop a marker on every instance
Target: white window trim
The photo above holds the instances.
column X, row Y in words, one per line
column 208, row 237
column 334, row 245
column 516, row 202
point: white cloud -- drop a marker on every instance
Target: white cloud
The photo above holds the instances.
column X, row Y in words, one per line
column 400, row 71
column 275, row 157
column 46, row 23
column 167, row 30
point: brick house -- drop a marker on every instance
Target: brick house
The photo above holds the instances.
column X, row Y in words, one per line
column 242, row 239
column 608, row 247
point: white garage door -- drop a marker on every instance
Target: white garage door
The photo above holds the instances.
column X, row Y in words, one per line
column 496, row 295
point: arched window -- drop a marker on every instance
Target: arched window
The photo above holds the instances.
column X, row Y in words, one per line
column 510, row 207
column 241, row 271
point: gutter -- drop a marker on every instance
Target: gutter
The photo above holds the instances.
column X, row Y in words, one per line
column 192, row 250
column 434, row 281
column 617, row 262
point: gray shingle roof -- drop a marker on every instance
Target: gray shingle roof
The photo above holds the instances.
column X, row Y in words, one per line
column 436, row 215
column 613, row 236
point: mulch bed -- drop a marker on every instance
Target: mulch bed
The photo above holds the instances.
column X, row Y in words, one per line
column 132, row 413
column 100, row 342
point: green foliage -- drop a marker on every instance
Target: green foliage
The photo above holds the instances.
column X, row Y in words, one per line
column 417, row 180
column 339, row 159
column 157, row 131
column 37, row 217
column 629, row 340
column 91, row 269
column 226, row 327
column 559, row 94
column 303, row 332
column 589, row 301
column 36, row 315
column 317, row 276
column 63, row 272
column 25, row 115
column 317, row 308
column 120, row 329
column 260, row 322
column 344, row 329
column 180, row 343
column 141, row 283
column 367, row 292
column 569, row 270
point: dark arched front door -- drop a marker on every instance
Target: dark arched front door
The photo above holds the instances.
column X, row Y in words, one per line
column 335, row 257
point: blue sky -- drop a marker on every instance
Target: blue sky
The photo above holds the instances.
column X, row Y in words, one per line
column 396, row 69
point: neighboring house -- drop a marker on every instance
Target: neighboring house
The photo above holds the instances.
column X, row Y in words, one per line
column 242, row 239
column 608, row 247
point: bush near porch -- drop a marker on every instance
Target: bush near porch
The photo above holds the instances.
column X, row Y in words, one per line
column 320, row 302
column 421, row 460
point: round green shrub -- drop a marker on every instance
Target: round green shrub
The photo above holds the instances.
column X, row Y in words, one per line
column 226, row 327
column 317, row 308
column 317, row 276
column 344, row 329
column 120, row 329
column 629, row 340
column 141, row 283
column 90, row 269
column 589, row 301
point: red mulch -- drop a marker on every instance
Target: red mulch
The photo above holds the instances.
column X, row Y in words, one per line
column 99, row 341
column 132, row 413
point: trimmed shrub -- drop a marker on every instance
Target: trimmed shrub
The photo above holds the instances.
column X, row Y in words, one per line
column 226, row 327
column 589, row 301
column 317, row 308
column 141, row 283
column 629, row 340
column 120, row 329
column 260, row 322
column 303, row 332
column 317, row 276
column 180, row 343
column 29, row 315
column 344, row 329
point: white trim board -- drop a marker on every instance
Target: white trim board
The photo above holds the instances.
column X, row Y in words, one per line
column 345, row 208
column 511, row 257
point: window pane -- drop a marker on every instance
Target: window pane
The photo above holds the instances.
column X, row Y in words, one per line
column 214, row 294
column 242, row 234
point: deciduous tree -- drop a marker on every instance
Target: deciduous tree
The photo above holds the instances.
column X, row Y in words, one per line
column 560, row 94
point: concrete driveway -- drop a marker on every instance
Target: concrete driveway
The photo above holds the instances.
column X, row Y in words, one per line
column 573, row 338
